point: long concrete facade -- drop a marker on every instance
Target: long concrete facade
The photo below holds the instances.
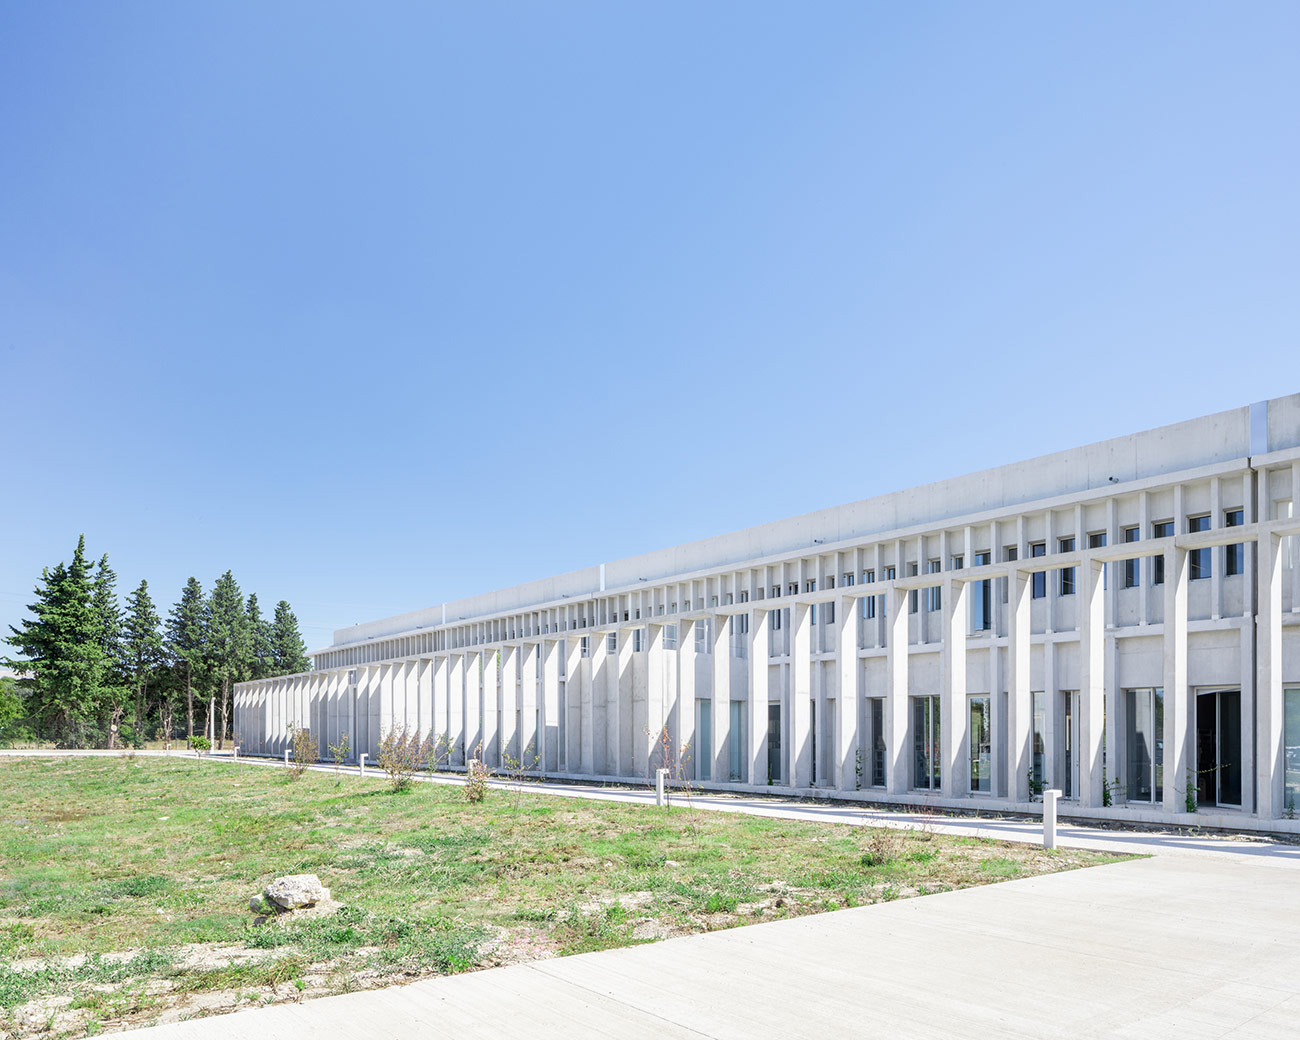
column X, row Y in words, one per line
column 1120, row 622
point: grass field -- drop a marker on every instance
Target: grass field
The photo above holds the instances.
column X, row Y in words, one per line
column 124, row 882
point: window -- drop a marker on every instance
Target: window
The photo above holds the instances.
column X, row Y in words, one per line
column 1234, row 556
column 848, row 578
column 1132, row 568
column 981, row 746
column 956, row 563
column 934, row 595
column 868, row 607
column 982, row 600
column 776, row 591
column 638, row 640
column 1066, row 545
column 1039, row 578
column 1291, row 754
column 1198, row 560
column 869, row 577
column 776, row 620
column 792, row 589
column 1163, row 529
column 1146, row 744
column 1097, row 540
column 611, row 643
column 830, row 581
column 890, row 573
column 926, row 755
column 670, row 637
column 812, row 619
column 810, row 585
column 586, row 647
column 913, row 597
column 828, row 615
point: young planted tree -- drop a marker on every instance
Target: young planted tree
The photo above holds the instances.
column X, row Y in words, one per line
column 144, row 649
column 262, row 640
column 186, row 640
column 230, row 648
column 290, row 650
column 62, row 652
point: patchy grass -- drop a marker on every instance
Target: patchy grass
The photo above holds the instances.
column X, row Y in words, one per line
column 124, row 883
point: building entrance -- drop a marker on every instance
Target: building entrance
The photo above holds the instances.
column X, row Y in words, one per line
column 1218, row 748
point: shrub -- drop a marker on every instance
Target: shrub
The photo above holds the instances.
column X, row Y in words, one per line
column 402, row 754
column 340, row 751
column 305, row 750
column 200, row 744
column 476, row 778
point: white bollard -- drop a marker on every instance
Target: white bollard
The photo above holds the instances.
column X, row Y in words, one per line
column 1049, row 818
column 286, row 757
column 235, row 750
column 661, row 775
column 362, row 764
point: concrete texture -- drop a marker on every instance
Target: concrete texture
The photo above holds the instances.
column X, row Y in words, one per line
column 1186, row 944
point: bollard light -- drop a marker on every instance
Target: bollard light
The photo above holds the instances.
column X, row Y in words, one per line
column 286, row 756
column 363, row 764
column 661, row 776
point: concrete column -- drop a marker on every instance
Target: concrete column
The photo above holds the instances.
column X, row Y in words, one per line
column 1019, row 698
column 1270, row 778
column 799, row 753
column 587, row 704
column 441, row 696
column 721, row 700
column 646, row 744
column 1216, row 565
column 456, row 712
column 759, row 675
column 954, row 733
column 1092, row 682
column 548, row 737
column 621, row 717
column 897, row 774
column 528, row 738
column 491, row 753
column 508, row 714
column 846, row 695
column 577, row 679
column 1177, row 695
column 686, row 698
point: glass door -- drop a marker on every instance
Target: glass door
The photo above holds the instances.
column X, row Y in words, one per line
column 877, row 742
column 704, row 739
column 981, row 746
column 1146, row 744
column 925, row 743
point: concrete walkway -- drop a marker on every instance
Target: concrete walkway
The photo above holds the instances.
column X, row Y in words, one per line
column 1200, row 941
column 1185, row 946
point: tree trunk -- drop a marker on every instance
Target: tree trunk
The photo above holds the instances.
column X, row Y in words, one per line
column 225, row 709
column 189, row 699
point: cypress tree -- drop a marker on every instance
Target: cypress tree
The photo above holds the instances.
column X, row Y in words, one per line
column 62, row 651
column 290, row 650
column 186, row 639
column 144, row 647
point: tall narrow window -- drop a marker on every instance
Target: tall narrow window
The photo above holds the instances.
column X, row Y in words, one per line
column 982, row 601
column 926, row 755
column 1066, row 545
column 1162, row 529
column 1132, row 568
column 981, row 746
column 1039, row 579
column 1097, row 540
column 913, row 597
column 1145, row 733
column 1198, row 560
column 934, row 595
column 1234, row 556
column 611, row 643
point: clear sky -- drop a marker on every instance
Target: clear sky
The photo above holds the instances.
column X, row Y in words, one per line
column 380, row 305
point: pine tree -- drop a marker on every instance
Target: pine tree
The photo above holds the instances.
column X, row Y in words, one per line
column 230, row 652
column 114, row 696
column 261, row 635
column 186, row 642
column 144, row 647
column 62, row 651
column 290, row 650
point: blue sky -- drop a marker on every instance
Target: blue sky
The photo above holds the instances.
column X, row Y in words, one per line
column 380, row 305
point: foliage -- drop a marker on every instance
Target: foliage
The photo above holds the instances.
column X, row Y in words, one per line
column 402, row 754
column 340, row 751
column 13, row 712
column 200, row 743
column 305, row 750
column 286, row 642
column 186, row 636
column 476, row 777
column 262, row 646
column 229, row 643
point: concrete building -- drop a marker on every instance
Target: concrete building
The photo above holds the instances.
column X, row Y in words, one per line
column 1120, row 621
